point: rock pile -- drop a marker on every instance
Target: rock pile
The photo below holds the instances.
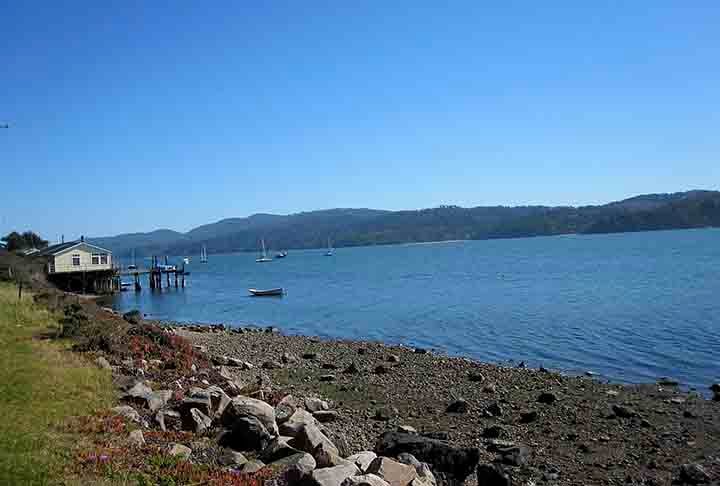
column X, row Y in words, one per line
column 290, row 439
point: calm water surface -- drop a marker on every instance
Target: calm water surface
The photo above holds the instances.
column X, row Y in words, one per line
column 630, row 307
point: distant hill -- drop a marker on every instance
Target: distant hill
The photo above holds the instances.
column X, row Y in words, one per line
column 355, row 227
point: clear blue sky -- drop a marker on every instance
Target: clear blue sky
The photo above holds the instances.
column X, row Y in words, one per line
column 129, row 117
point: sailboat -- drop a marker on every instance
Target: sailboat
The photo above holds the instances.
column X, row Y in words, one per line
column 203, row 254
column 263, row 256
column 132, row 266
column 329, row 251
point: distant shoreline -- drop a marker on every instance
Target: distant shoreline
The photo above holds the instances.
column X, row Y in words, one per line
column 439, row 242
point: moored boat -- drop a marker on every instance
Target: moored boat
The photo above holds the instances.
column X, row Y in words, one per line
column 278, row 292
column 263, row 256
column 329, row 251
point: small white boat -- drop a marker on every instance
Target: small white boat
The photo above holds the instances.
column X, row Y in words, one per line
column 263, row 256
column 281, row 254
column 329, row 251
column 186, row 260
column 278, row 292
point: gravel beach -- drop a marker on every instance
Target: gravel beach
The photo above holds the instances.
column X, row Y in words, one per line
column 548, row 428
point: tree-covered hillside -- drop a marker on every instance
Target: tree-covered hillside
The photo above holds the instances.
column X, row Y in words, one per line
column 355, row 227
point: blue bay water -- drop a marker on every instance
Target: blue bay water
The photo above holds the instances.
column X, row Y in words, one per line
column 631, row 307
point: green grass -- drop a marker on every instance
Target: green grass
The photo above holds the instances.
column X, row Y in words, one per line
column 41, row 386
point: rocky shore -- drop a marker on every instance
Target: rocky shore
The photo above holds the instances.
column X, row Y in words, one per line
column 524, row 426
column 253, row 406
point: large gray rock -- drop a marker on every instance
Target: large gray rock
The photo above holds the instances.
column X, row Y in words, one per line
column 201, row 422
column 297, row 420
column 456, row 463
column 139, row 394
column 362, row 459
column 137, row 438
column 316, row 404
column 169, row 420
column 365, row 480
column 217, row 398
column 393, row 472
column 252, row 466
column 285, row 408
column 103, row 363
column 242, row 406
column 517, row 455
column 693, row 474
column 247, row 434
column 128, row 412
column 277, row 449
column 333, row 476
column 492, row 475
column 309, row 437
column 293, row 469
column 179, row 450
column 188, row 403
column 338, row 438
column 424, row 473
column 157, row 400
column 139, row 390
column 327, row 457
column 231, row 458
column 326, row 416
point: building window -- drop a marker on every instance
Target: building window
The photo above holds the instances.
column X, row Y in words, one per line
column 76, row 260
column 103, row 258
column 95, row 259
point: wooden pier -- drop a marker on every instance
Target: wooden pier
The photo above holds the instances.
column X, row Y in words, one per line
column 155, row 275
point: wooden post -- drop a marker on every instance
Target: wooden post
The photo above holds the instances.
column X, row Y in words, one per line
column 20, row 290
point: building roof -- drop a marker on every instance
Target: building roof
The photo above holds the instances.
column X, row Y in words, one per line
column 62, row 247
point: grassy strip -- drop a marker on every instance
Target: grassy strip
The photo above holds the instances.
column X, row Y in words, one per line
column 41, row 386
